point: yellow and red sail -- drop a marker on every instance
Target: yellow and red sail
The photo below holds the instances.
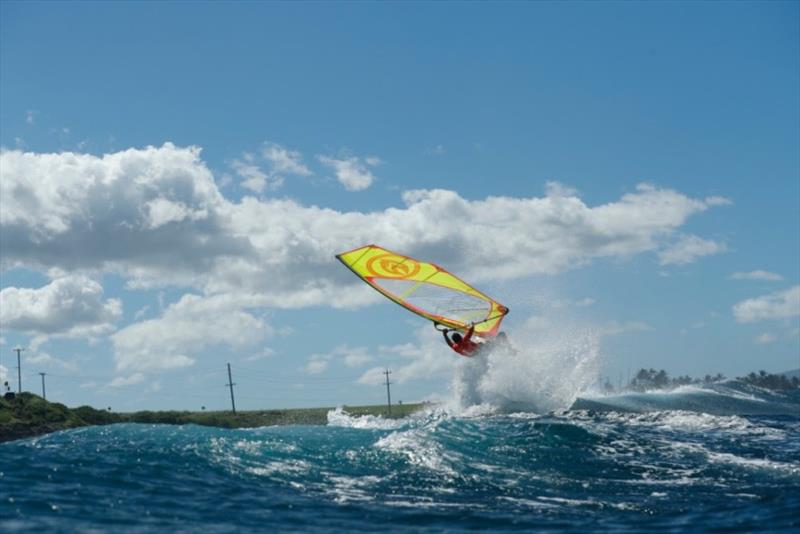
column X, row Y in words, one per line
column 425, row 289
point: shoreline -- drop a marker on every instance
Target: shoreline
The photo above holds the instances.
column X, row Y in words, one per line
column 29, row 416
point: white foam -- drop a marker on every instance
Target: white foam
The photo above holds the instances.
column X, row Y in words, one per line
column 695, row 421
column 545, row 371
column 529, row 503
column 418, row 449
column 757, row 463
column 271, row 468
column 346, row 489
column 732, row 459
column 341, row 418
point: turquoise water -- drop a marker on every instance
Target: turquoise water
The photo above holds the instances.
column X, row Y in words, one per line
column 639, row 462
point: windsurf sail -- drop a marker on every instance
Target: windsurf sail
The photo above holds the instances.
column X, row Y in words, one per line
column 425, row 289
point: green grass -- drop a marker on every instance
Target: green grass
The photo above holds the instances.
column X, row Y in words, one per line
column 30, row 415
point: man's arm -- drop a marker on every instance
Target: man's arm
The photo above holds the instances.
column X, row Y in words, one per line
column 470, row 331
column 447, row 339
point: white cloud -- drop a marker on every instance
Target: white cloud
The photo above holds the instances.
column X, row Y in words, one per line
column 157, row 218
column 765, row 338
column 756, row 275
column 350, row 356
column 283, row 160
column 437, row 150
column 615, row 328
column 253, row 178
column 260, row 355
column 557, row 189
column 778, row 305
column 122, row 381
column 80, row 211
column 353, row 356
column 351, row 172
column 186, row 328
column 317, row 363
column 30, row 116
column 718, row 201
column 688, row 248
column 161, row 211
column 40, row 357
column 70, row 306
column 558, row 303
column 427, row 357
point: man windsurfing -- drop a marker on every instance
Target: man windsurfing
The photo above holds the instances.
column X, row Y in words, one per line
column 461, row 344
column 464, row 345
column 431, row 292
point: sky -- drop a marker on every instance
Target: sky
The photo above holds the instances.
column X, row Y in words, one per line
column 176, row 179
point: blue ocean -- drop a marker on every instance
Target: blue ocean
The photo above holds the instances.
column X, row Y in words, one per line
column 717, row 457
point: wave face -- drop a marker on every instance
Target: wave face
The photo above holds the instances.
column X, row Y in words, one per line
column 730, row 397
column 572, row 470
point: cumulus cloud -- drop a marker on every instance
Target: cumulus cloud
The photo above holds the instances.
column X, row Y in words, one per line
column 253, row 178
column 427, row 357
column 80, row 211
column 122, row 381
column 778, row 305
column 186, row 328
column 37, row 356
column 280, row 162
column 156, row 217
column 349, row 356
column 283, row 160
column 688, row 248
column 352, row 172
column 756, row 275
column 70, row 306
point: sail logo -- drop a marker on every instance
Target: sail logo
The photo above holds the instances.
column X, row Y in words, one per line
column 392, row 266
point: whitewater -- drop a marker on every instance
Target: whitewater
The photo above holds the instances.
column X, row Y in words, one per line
column 522, row 444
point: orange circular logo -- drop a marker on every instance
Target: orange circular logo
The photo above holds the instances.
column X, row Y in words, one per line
column 392, row 266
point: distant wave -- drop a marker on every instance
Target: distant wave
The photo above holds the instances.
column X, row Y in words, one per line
column 731, row 397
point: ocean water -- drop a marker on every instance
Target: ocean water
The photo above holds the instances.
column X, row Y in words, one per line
column 633, row 462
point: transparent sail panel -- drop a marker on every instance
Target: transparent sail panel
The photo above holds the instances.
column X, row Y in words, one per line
column 438, row 300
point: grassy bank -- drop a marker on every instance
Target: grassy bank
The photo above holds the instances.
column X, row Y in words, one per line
column 30, row 415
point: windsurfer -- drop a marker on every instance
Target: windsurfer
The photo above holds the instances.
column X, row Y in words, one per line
column 464, row 345
column 461, row 344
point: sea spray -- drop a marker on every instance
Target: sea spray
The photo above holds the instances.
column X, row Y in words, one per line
column 544, row 370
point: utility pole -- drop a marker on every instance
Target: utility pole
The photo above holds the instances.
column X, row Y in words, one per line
column 388, row 392
column 44, row 396
column 231, row 384
column 19, row 369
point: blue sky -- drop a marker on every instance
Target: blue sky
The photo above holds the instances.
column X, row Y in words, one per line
column 176, row 178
